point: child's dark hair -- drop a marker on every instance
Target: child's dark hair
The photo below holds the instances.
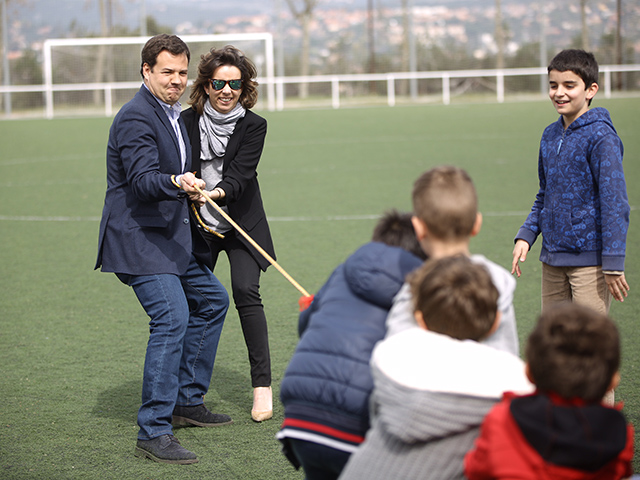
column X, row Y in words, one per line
column 456, row 297
column 580, row 62
column 573, row 352
column 395, row 229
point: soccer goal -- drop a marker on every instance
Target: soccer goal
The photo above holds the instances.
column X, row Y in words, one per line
column 104, row 73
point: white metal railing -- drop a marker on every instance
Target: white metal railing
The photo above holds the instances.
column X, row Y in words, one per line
column 275, row 90
column 444, row 76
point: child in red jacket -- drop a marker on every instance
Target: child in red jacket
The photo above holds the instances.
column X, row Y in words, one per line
column 563, row 430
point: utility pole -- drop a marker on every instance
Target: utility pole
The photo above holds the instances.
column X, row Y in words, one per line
column 413, row 61
column 371, row 37
column 544, row 82
column 5, row 58
column 619, row 42
column 279, row 41
column 408, row 48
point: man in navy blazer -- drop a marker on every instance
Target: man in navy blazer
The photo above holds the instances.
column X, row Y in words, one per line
column 147, row 240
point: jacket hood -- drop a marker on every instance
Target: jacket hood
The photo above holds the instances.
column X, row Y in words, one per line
column 431, row 386
column 375, row 272
column 582, row 437
column 423, row 416
column 593, row 115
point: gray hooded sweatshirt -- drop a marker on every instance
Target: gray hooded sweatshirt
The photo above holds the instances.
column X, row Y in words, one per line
column 431, row 393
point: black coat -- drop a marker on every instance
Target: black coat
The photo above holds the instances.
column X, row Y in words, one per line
column 239, row 178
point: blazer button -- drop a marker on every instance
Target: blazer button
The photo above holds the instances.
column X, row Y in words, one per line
column 185, row 221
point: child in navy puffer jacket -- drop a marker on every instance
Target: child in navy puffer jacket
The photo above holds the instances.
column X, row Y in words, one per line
column 326, row 387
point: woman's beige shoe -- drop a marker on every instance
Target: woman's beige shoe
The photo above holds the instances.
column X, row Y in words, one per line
column 262, row 404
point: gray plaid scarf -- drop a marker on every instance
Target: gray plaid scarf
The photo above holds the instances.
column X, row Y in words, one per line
column 215, row 130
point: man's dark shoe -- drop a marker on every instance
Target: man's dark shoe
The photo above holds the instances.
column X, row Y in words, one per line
column 165, row 449
column 199, row 416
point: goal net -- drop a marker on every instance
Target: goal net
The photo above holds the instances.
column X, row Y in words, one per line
column 102, row 74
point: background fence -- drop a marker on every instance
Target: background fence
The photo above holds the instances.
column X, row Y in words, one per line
column 326, row 91
column 331, row 54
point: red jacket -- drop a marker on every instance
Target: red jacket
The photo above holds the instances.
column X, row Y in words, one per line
column 537, row 437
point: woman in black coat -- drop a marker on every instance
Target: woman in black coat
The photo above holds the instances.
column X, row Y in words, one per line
column 227, row 140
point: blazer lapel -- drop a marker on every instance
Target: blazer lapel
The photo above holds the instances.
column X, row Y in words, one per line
column 164, row 119
column 187, row 144
column 233, row 145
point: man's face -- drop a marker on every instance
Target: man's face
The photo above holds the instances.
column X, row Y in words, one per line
column 168, row 78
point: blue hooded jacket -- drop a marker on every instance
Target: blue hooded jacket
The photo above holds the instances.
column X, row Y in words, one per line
column 326, row 387
column 581, row 209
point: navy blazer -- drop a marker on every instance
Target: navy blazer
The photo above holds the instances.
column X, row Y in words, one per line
column 239, row 178
column 146, row 228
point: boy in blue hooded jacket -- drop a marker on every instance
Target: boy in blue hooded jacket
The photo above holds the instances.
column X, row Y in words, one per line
column 581, row 208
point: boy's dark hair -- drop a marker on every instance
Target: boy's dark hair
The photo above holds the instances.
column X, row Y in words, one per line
column 395, row 229
column 573, row 352
column 456, row 297
column 445, row 199
column 580, row 62
column 171, row 43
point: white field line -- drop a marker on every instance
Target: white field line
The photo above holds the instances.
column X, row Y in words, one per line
column 50, row 159
column 329, row 218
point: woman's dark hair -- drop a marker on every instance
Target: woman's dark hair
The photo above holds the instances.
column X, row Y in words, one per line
column 210, row 62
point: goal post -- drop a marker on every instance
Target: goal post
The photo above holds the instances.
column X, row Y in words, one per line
column 95, row 69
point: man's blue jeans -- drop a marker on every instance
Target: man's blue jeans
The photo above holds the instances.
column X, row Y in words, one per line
column 187, row 313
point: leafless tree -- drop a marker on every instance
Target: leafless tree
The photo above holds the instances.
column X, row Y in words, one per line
column 304, row 15
column 404, row 57
column 6, row 74
column 585, row 29
column 619, row 41
column 371, row 19
column 105, row 9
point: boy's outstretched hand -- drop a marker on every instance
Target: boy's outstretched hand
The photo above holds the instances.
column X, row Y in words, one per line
column 519, row 255
column 618, row 286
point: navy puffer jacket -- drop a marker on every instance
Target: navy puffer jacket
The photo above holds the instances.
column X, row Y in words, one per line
column 328, row 380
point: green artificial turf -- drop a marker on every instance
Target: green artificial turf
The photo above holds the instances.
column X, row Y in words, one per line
column 72, row 340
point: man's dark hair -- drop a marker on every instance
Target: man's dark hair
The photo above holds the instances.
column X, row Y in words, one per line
column 395, row 229
column 171, row 43
column 573, row 352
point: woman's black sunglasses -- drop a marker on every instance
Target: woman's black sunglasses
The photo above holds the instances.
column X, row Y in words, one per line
column 219, row 84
